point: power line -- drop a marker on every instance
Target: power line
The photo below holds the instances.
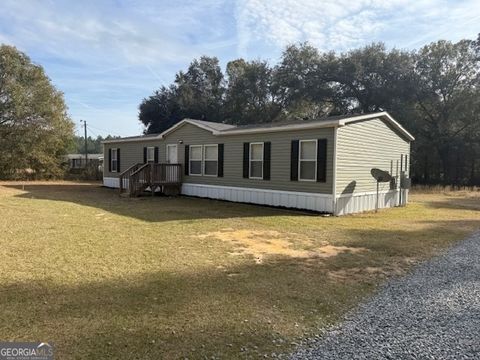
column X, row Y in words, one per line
column 93, row 132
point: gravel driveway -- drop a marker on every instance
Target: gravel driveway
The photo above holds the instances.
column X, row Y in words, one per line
column 433, row 313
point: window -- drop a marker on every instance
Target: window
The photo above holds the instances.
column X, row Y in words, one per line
column 195, row 160
column 172, row 154
column 210, row 160
column 114, row 160
column 150, row 154
column 256, row 161
column 76, row 163
column 307, row 161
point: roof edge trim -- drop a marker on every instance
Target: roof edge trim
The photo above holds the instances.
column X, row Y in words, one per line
column 313, row 125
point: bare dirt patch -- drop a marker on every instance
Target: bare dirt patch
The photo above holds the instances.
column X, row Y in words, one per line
column 261, row 244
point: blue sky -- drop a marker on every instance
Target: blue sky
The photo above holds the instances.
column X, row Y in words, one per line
column 107, row 55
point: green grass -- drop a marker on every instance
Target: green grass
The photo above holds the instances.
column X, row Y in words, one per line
column 107, row 277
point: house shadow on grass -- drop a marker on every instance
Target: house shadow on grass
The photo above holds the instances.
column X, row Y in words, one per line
column 149, row 208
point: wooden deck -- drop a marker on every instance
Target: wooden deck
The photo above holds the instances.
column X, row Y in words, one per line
column 139, row 177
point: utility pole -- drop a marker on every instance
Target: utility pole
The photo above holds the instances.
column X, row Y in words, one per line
column 86, row 151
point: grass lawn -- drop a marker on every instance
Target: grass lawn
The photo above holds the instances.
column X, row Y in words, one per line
column 107, row 277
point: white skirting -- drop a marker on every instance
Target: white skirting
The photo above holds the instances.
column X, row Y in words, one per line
column 290, row 199
column 359, row 202
column 345, row 204
column 111, row 182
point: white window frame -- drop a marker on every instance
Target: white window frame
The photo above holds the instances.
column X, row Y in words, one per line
column 190, row 160
column 169, row 147
column 204, row 159
column 250, row 160
column 152, row 148
column 300, row 159
column 112, row 159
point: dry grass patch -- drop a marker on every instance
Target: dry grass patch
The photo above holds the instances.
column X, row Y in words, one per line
column 109, row 277
column 269, row 244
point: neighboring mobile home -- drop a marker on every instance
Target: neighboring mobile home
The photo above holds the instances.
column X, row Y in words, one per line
column 77, row 161
column 322, row 165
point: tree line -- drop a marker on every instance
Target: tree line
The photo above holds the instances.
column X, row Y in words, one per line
column 94, row 144
column 433, row 91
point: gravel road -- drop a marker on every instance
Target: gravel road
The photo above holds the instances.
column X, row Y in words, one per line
column 433, row 313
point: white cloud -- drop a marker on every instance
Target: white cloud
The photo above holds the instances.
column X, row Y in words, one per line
column 343, row 24
column 142, row 33
column 324, row 23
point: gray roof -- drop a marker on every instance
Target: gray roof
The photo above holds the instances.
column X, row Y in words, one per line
column 136, row 137
column 227, row 129
column 213, row 125
column 289, row 122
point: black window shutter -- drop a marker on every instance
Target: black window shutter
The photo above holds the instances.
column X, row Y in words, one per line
column 109, row 160
column 187, row 159
column 322, row 160
column 155, row 156
column 294, row 161
column 267, row 146
column 246, row 155
column 220, row 160
column 144, row 155
column 118, row 160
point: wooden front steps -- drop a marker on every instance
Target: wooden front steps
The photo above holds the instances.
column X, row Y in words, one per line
column 139, row 177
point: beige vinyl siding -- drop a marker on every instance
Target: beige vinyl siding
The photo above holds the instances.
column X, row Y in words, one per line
column 233, row 157
column 130, row 153
column 362, row 146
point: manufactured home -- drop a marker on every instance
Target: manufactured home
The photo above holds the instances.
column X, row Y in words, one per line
column 321, row 165
column 78, row 161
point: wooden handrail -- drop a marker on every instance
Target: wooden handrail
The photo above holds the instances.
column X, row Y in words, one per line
column 140, row 179
column 130, row 168
column 124, row 176
column 142, row 166
column 142, row 176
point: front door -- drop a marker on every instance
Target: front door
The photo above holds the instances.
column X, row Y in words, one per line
column 172, row 154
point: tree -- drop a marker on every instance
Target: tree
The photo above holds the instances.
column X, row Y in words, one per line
column 447, row 97
column 302, row 82
column 197, row 93
column 373, row 79
column 94, row 145
column 200, row 89
column 35, row 130
column 160, row 111
column 249, row 95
